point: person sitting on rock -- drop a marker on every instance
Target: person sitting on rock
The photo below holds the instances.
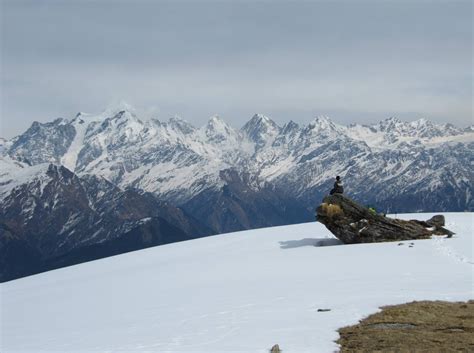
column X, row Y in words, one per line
column 338, row 187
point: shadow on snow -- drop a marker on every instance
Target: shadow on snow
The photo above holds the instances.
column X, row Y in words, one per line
column 290, row 244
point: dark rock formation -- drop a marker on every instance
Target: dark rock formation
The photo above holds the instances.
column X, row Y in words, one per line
column 352, row 223
column 436, row 223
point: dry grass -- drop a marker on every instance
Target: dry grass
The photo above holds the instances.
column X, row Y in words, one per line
column 428, row 326
column 331, row 210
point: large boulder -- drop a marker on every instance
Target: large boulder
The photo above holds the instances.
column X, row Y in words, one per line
column 353, row 223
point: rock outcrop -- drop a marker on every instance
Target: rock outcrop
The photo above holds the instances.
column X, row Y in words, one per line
column 352, row 223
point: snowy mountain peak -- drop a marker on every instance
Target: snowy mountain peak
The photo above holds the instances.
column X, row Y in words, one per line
column 61, row 121
column 124, row 124
column 260, row 120
column 261, row 130
column 389, row 123
column 393, row 119
column 215, row 123
column 322, row 124
column 126, row 115
column 79, row 118
column 421, row 124
column 289, row 127
column 323, row 118
column 180, row 125
column 262, row 117
column 423, row 121
column 42, row 142
column 218, row 131
column 216, row 120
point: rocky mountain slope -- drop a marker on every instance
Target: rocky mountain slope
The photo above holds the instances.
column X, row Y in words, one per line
column 54, row 218
column 260, row 175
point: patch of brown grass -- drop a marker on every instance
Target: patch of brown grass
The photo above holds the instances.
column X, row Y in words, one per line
column 427, row 326
column 331, row 210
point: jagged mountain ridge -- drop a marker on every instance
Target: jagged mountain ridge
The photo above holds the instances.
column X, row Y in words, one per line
column 178, row 162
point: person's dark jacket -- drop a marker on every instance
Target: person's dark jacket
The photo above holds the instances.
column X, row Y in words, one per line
column 338, row 188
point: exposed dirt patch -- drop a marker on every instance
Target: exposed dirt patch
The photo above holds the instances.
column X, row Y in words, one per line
column 427, row 326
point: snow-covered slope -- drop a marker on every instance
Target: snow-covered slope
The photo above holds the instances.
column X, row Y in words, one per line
column 14, row 173
column 238, row 292
column 80, row 123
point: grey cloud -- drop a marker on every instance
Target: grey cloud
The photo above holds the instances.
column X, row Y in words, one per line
column 355, row 61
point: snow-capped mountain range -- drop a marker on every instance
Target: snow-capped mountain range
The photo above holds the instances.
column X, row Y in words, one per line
column 177, row 161
column 229, row 179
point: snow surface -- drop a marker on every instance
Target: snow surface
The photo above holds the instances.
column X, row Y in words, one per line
column 238, row 292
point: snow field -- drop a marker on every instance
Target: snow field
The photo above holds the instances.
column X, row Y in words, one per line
column 237, row 292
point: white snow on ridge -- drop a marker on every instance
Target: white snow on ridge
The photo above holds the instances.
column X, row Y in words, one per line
column 240, row 292
column 14, row 173
column 80, row 123
column 378, row 139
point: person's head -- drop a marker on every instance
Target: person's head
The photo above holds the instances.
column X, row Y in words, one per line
column 338, row 178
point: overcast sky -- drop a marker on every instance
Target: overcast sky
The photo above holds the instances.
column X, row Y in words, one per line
column 355, row 61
